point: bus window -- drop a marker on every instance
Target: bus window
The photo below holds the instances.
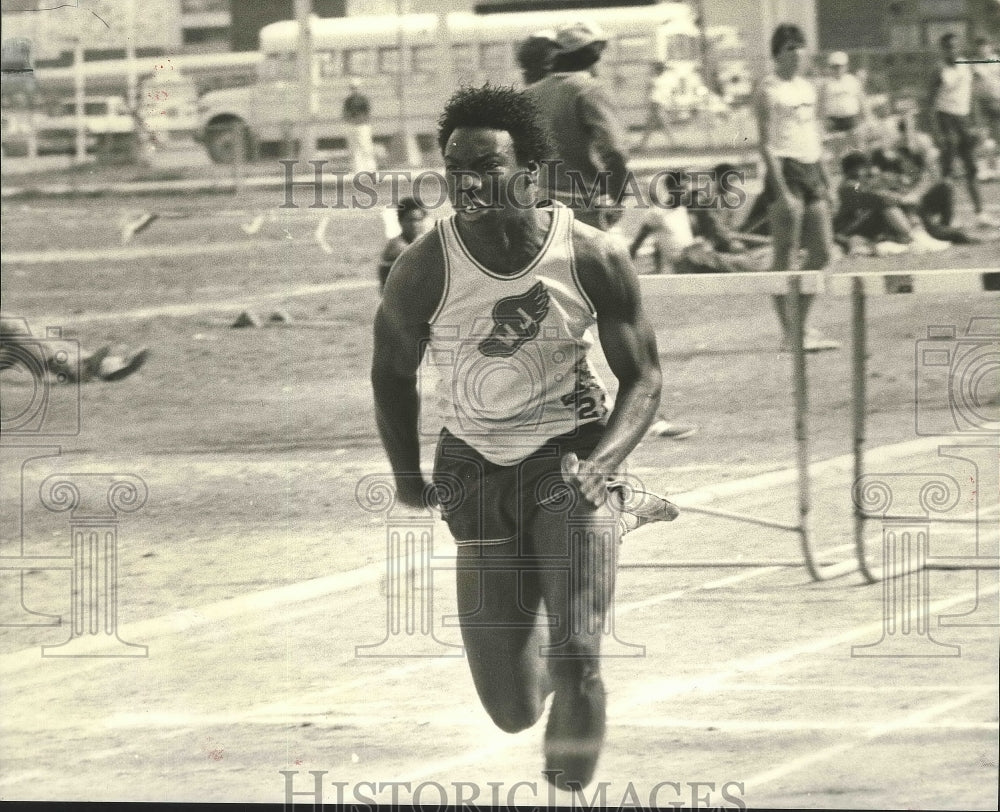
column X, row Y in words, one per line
column 493, row 57
column 463, row 58
column 635, row 49
column 359, row 62
column 423, row 59
column 388, row 60
column 328, row 64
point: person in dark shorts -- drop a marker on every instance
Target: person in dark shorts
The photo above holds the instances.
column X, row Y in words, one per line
column 412, row 218
column 954, row 118
column 796, row 188
column 503, row 297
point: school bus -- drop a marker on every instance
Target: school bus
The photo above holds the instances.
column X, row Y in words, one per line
column 409, row 65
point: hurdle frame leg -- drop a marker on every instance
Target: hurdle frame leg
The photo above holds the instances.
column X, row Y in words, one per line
column 796, row 323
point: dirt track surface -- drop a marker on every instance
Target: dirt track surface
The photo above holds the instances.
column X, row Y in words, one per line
column 253, row 576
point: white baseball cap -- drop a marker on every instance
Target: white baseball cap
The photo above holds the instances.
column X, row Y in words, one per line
column 574, row 36
column 837, row 58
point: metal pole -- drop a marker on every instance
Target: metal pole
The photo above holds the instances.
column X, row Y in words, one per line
column 131, row 75
column 307, row 130
column 796, row 328
column 858, row 397
column 403, row 126
column 78, row 93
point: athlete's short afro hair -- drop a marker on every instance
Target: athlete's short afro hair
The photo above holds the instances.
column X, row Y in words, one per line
column 497, row 108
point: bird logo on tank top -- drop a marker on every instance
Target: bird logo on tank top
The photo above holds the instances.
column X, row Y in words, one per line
column 516, row 320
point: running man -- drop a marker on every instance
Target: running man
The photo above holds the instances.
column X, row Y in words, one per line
column 951, row 101
column 504, row 294
column 796, row 187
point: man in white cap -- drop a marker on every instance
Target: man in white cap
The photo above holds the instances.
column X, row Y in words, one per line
column 842, row 101
column 535, row 54
column 588, row 170
column 357, row 116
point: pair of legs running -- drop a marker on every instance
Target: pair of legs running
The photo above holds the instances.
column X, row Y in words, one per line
column 535, row 579
column 532, row 615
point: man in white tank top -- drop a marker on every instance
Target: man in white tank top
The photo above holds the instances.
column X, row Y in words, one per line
column 503, row 296
column 796, row 186
column 951, row 101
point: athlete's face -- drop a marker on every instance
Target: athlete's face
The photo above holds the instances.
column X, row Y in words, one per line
column 485, row 180
column 413, row 224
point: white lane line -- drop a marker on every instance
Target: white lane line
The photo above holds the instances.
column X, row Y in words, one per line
column 659, row 690
column 837, row 688
column 233, row 304
column 795, row 725
column 322, row 717
column 139, row 252
column 876, row 731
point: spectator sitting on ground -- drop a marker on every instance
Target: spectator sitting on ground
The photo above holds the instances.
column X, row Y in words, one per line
column 412, row 218
column 669, row 221
column 871, row 218
column 905, row 180
column 19, row 350
column 717, row 221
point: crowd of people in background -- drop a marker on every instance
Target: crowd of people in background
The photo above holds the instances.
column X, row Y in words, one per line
column 840, row 177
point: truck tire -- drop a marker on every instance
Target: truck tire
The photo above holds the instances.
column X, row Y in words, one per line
column 229, row 143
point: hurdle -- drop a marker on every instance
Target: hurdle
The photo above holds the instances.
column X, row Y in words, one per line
column 859, row 286
column 794, row 285
column 856, row 286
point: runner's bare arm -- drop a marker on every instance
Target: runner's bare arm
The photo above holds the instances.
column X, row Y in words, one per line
column 629, row 343
column 411, row 295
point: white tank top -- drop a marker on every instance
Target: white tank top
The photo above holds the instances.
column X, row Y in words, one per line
column 954, row 96
column 841, row 96
column 511, row 351
column 794, row 130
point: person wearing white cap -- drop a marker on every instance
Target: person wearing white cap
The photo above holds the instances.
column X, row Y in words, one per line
column 589, row 142
column 535, row 55
column 842, row 100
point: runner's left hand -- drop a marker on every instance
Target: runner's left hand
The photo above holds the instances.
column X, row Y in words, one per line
column 584, row 474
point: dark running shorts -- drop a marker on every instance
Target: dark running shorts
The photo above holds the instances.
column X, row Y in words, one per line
column 843, row 124
column 495, row 501
column 804, row 181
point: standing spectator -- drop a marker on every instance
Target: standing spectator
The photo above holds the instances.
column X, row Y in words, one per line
column 659, row 92
column 986, row 73
column 842, row 101
column 357, row 114
column 951, row 101
column 535, row 55
column 796, row 187
column 586, row 129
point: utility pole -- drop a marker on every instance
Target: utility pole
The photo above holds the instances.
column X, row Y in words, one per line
column 131, row 77
column 78, row 94
column 707, row 74
column 406, row 150
column 307, row 127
